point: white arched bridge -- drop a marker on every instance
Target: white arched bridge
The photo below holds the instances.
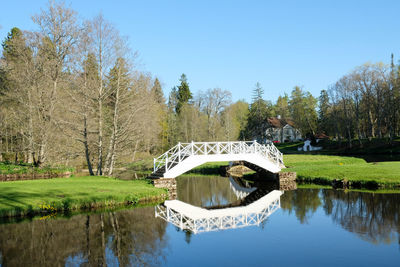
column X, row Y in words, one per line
column 186, row 156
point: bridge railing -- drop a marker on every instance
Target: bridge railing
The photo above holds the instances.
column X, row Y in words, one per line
column 183, row 150
column 197, row 220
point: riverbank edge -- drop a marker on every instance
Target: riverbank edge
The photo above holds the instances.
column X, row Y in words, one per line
column 324, row 182
column 33, row 176
column 369, row 184
column 115, row 193
column 81, row 207
column 69, row 214
column 346, row 183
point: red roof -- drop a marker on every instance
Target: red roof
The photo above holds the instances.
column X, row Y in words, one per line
column 279, row 123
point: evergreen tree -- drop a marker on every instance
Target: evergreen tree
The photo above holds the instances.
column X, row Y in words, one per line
column 258, row 103
column 11, row 42
column 184, row 94
column 323, row 113
column 91, row 71
column 14, row 49
column 157, row 92
column 302, row 110
column 258, row 115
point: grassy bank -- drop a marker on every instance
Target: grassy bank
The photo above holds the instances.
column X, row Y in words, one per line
column 26, row 168
column 33, row 197
column 322, row 169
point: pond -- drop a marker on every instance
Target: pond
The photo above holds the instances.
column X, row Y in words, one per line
column 311, row 227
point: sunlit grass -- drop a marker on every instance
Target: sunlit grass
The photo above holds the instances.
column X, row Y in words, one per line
column 328, row 168
column 22, row 168
column 35, row 196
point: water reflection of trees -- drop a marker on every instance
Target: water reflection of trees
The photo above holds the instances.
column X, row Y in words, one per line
column 131, row 237
column 303, row 203
column 373, row 217
column 205, row 191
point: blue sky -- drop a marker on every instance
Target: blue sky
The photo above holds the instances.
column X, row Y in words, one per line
column 234, row 44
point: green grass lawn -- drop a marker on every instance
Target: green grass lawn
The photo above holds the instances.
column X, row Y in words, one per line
column 22, row 168
column 311, row 168
column 48, row 195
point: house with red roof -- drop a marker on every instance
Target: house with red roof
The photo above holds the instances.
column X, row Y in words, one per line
column 282, row 130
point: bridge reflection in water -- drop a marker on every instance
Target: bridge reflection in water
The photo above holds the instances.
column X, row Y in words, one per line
column 197, row 219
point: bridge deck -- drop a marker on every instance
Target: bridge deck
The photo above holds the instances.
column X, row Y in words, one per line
column 186, row 156
column 195, row 219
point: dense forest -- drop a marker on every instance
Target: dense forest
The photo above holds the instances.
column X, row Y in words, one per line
column 71, row 93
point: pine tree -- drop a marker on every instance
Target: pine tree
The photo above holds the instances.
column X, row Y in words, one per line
column 172, row 131
column 258, row 115
column 258, row 101
column 323, row 113
column 14, row 49
column 184, row 94
column 157, row 92
column 10, row 43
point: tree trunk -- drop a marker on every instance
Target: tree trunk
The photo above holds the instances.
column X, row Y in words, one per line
column 86, row 145
column 30, row 129
column 100, row 144
column 349, row 135
column 103, row 242
column 113, row 140
column 88, row 238
column 1, row 148
column 134, row 151
column 371, row 124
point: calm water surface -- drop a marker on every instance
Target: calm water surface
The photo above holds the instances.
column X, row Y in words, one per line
column 313, row 227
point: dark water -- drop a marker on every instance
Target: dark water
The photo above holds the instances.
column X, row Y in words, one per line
column 314, row 227
column 378, row 157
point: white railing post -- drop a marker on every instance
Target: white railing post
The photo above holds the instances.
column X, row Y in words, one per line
column 218, row 148
column 166, row 162
column 192, row 148
column 179, row 152
column 154, row 165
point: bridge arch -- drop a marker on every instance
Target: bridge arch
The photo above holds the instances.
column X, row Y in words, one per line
column 197, row 220
column 186, row 156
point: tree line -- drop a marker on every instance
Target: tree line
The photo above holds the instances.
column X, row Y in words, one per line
column 71, row 93
column 363, row 104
